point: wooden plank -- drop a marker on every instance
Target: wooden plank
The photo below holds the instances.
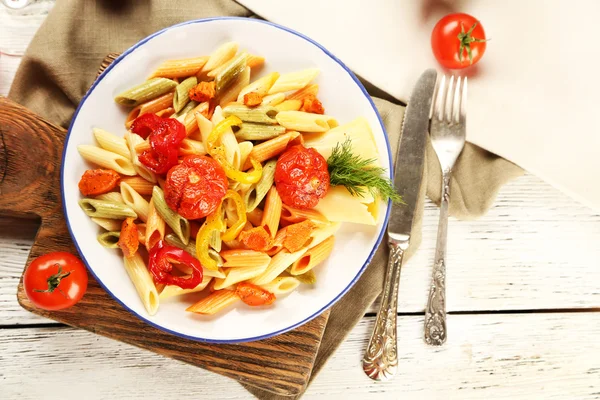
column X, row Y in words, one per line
column 503, row 356
column 535, row 249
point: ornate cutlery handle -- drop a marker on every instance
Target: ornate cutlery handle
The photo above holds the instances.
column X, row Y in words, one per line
column 435, row 313
column 380, row 361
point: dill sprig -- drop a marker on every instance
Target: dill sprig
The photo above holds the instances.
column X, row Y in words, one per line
column 356, row 174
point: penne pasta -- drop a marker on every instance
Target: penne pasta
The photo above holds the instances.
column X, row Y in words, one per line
column 144, row 285
column 230, row 95
column 254, row 216
column 272, row 212
column 133, row 141
column 289, row 105
column 293, row 80
column 189, row 147
column 155, row 227
column 180, row 225
column 277, row 245
column 273, row 99
column 215, row 302
column 106, row 209
column 260, row 86
column 106, row 159
column 245, row 149
column 321, row 233
column 134, row 200
column 313, row 257
column 204, row 125
column 115, row 197
column 141, row 229
column 220, row 56
column 111, row 142
column 271, row 148
column 244, row 258
column 279, row 263
column 174, row 290
column 185, row 110
column 180, row 68
column 260, row 114
column 139, row 184
column 145, row 91
column 150, row 107
column 237, row 275
column 291, row 215
column 230, row 72
column 308, row 277
column 255, row 61
column 252, row 131
column 310, row 90
column 282, row 285
column 305, row 122
column 110, row 239
column 228, row 141
column 257, row 192
column 167, row 112
column 108, row 224
column 181, row 96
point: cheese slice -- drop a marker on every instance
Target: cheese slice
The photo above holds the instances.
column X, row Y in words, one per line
column 340, row 206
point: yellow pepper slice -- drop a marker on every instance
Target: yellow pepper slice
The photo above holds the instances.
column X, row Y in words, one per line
column 218, row 153
column 213, row 222
column 234, row 230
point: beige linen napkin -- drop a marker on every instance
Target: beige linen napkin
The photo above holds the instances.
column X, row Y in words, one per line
column 61, row 64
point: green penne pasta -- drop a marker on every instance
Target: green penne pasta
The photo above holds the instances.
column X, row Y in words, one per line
column 180, row 225
column 252, row 131
column 181, row 96
column 188, row 107
column 145, row 91
column 256, row 193
column 230, row 72
column 260, row 114
column 173, row 240
column 109, row 240
column 106, row 209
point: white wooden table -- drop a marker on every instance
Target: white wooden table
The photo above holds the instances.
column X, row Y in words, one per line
column 523, row 297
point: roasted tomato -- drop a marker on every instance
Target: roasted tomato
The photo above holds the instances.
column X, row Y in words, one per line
column 301, row 177
column 254, row 295
column 166, row 135
column 195, row 188
column 98, row 181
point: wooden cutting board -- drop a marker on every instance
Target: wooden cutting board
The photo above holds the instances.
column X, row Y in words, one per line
column 30, row 160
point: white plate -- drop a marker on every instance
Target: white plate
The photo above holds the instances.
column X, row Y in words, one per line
column 285, row 50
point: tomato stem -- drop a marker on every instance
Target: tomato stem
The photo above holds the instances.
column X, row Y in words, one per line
column 54, row 280
column 465, row 40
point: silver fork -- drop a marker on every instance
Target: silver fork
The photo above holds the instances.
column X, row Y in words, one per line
column 447, row 131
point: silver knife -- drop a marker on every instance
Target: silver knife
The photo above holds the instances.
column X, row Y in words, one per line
column 380, row 361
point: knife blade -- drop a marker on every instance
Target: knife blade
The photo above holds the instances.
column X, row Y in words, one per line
column 380, row 361
column 408, row 170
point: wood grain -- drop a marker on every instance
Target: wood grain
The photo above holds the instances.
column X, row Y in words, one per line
column 493, row 356
column 30, row 167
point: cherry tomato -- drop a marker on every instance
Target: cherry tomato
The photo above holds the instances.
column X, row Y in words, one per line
column 458, row 41
column 195, row 188
column 55, row 281
column 301, row 177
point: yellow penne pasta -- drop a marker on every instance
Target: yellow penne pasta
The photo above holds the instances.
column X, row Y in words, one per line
column 180, row 68
column 220, row 56
column 111, row 142
column 279, row 263
column 155, row 227
column 244, row 258
column 237, row 275
column 189, row 147
column 141, row 228
column 273, row 99
column 144, row 285
column 289, row 105
column 106, row 159
column 153, row 106
column 270, row 148
column 110, row 225
column 281, row 285
column 313, row 257
column 321, row 233
column 255, row 61
column 294, row 80
column 174, row 290
column 310, row 90
column 272, row 212
column 305, row 122
column 245, row 149
column 139, row 184
column 205, row 127
column 111, row 196
column 134, row 200
column 214, row 302
column 260, row 86
column 133, row 141
column 231, row 94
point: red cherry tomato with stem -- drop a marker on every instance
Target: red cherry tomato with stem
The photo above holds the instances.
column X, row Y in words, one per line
column 55, row 281
column 458, row 41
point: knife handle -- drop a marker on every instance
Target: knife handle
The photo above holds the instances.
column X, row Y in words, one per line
column 435, row 313
column 380, row 361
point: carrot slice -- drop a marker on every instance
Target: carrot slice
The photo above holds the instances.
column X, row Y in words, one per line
column 98, row 181
column 254, row 295
column 128, row 241
column 256, row 239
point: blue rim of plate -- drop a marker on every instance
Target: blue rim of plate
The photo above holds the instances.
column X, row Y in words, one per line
column 268, row 335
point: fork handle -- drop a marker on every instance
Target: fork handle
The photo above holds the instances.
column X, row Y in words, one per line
column 435, row 313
